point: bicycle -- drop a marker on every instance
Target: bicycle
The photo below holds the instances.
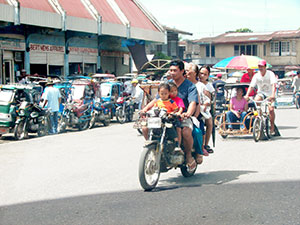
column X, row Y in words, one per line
column 262, row 123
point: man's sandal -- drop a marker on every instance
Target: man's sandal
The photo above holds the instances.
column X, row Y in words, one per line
column 191, row 166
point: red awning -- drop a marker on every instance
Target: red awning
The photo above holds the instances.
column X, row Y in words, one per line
column 134, row 14
column 107, row 13
column 42, row 5
column 75, row 8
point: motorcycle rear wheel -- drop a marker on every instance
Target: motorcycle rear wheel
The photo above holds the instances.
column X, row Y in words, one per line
column 20, row 132
column 83, row 125
column 121, row 116
column 149, row 170
column 106, row 122
column 185, row 172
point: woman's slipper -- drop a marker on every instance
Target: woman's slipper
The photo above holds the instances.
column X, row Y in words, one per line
column 191, row 166
column 205, row 153
column 208, row 149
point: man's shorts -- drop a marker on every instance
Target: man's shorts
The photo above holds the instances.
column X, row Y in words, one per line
column 263, row 96
column 187, row 123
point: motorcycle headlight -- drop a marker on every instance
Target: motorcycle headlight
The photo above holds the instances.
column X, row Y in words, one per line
column 22, row 112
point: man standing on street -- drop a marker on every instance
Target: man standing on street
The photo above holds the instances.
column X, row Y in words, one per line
column 52, row 99
column 265, row 81
column 137, row 93
column 247, row 78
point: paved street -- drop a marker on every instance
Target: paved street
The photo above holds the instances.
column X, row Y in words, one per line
column 90, row 177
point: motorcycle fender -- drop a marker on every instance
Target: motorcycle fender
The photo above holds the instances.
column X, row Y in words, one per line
column 148, row 143
column 19, row 120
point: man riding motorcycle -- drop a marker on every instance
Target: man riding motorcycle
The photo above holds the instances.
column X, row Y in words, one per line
column 187, row 91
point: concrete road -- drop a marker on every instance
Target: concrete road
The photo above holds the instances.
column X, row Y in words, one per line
column 90, row 177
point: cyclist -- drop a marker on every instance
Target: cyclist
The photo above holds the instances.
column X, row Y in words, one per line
column 265, row 81
column 296, row 86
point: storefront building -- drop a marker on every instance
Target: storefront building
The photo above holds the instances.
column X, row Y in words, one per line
column 72, row 37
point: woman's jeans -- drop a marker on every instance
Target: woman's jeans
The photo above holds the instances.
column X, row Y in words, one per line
column 232, row 118
column 54, row 123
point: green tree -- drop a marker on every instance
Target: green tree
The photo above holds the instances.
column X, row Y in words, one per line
column 160, row 55
column 241, row 30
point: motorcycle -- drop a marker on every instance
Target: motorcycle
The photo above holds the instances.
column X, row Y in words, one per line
column 159, row 153
column 101, row 112
column 75, row 114
column 31, row 118
column 124, row 109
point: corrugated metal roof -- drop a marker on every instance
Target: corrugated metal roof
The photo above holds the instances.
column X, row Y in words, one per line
column 286, row 34
column 42, row 5
column 136, row 17
column 177, row 31
column 228, row 38
column 243, row 37
column 75, row 8
column 107, row 13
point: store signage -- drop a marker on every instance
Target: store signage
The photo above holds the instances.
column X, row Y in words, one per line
column 12, row 45
column 112, row 53
column 47, row 48
column 83, row 51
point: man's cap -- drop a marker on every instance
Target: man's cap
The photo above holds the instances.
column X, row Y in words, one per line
column 219, row 75
column 134, row 81
column 23, row 70
column 262, row 63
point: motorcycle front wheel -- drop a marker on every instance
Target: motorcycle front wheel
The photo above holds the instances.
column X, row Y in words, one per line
column 92, row 121
column 62, row 124
column 120, row 115
column 43, row 128
column 149, row 168
column 20, row 131
column 83, row 125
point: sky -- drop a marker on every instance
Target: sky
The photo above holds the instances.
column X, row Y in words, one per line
column 208, row 18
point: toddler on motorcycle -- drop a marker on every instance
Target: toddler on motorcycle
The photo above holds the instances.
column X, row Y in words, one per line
column 165, row 92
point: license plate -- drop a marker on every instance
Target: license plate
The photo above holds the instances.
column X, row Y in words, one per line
column 4, row 130
column 154, row 122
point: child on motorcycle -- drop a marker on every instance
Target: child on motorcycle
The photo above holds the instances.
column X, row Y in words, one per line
column 170, row 105
column 180, row 104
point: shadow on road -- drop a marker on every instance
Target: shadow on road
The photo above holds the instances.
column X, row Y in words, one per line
column 286, row 127
column 199, row 179
column 251, row 203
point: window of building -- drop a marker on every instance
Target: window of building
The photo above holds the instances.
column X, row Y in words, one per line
column 245, row 50
column 254, row 50
column 285, row 48
column 207, row 50
column 293, row 47
column 248, row 49
column 274, row 48
column 242, row 49
column 213, row 51
column 236, row 50
column 265, row 49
